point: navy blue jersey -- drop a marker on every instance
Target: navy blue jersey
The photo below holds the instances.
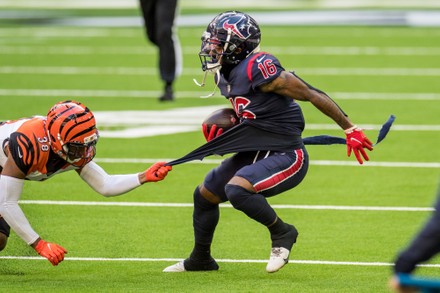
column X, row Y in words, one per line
column 267, row 111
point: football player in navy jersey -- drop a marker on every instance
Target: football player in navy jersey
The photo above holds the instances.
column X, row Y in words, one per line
column 270, row 154
column 40, row 147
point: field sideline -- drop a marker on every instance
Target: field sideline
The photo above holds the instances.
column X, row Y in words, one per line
column 352, row 219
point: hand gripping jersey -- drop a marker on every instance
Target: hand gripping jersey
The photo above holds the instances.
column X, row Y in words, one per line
column 30, row 148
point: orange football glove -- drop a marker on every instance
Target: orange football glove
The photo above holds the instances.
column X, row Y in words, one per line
column 52, row 251
column 157, row 172
column 212, row 133
column 356, row 142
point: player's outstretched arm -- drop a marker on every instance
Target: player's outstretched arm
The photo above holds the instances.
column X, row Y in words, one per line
column 113, row 185
column 289, row 85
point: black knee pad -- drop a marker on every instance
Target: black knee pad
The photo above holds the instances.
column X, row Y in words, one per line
column 254, row 205
column 200, row 202
column 237, row 195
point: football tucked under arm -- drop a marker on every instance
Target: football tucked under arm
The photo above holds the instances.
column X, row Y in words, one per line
column 218, row 122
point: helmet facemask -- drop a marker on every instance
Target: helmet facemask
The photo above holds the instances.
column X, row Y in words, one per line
column 211, row 53
column 76, row 151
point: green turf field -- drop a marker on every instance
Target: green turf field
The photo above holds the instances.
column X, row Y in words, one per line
column 352, row 219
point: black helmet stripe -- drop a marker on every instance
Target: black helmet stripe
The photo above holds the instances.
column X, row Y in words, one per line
column 57, row 116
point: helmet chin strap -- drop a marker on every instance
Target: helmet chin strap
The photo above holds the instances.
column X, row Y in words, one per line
column 217, row 73
column 214, row 68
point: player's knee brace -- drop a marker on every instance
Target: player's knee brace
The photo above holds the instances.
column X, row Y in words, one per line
column 254, row 205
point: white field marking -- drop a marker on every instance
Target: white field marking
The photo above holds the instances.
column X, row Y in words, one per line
column 429, row 165
column 112, row 4
column 151, row 123
column 136, row 124
column 377, row 127
column 354, row 50
column 340, row 71
column 292, row 261
column 277, row 50
column 37, row 34
column 192, row 94
column 224, row 205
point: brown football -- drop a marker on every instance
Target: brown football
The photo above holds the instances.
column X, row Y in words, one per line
column 224, row 118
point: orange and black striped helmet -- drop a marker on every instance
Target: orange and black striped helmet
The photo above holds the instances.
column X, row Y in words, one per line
column 72, row 131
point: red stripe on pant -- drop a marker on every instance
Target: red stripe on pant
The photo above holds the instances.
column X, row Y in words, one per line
column 282, row 175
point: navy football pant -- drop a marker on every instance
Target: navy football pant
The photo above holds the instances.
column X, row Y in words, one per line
column 270, row 173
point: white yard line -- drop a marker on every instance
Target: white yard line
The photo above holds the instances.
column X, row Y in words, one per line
column 192, row 94
column 190, row 205
column 429, row 165
column 196, row 94
column 145, row 259
column 344, row 17
column 224, row 4
column 144, row 50
column 339, row 71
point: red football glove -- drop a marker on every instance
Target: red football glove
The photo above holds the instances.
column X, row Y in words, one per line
column 213, row 132
column 157, row 172
column 356, row 142
column 52, row 251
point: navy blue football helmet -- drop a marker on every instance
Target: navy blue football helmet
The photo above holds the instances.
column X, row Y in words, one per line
column 229, row 38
